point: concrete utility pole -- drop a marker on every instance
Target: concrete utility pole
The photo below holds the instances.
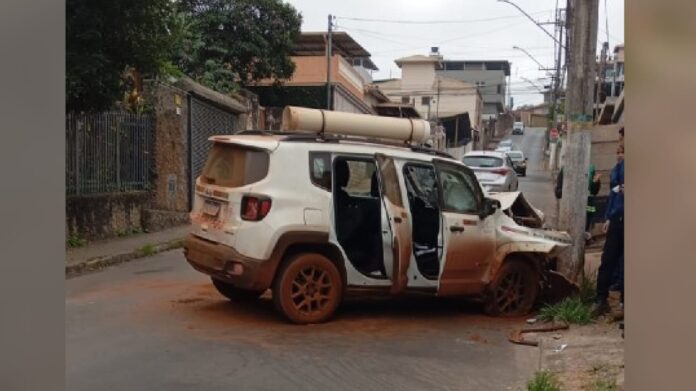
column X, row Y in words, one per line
column 329, row 54
column 600, row 78
column 582, row 67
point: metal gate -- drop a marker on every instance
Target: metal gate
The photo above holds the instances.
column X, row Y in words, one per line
column 205, row 121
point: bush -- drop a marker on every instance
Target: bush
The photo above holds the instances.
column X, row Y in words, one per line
column 572, row 310
column 543, row 381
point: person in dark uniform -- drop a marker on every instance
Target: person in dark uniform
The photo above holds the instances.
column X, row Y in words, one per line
column 613, row 252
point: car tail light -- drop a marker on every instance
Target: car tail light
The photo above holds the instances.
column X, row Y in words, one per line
column 500, row 171
column 255, row 208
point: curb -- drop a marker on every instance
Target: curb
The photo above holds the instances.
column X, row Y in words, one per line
column 99, row 263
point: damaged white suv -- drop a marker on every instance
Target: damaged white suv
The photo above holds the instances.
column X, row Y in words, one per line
column 311, row 216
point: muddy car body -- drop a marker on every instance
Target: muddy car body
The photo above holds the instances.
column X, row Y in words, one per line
column 312, row 217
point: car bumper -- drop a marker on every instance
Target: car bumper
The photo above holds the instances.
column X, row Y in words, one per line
column 225, row 263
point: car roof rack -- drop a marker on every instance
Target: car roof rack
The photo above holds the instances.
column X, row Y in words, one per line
column 331, row 138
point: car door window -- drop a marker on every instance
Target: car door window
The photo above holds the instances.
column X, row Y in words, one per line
column 459, row 193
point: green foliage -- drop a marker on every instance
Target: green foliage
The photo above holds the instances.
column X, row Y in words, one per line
column 106, row 38
column 543, row 381
column 227, row 43
column 588, row 288
column 147, row 250
column 221, row 43
column 76, row 241
column 129, row 231
column 571, row 310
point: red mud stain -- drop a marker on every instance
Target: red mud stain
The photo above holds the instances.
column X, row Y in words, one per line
column 135, row 287
column 477, row 338
column 197, row 310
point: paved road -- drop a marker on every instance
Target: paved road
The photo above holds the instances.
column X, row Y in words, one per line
column 156, row 324
column 537, row 186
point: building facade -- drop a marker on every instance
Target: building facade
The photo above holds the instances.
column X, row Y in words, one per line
column 350, row 72
column 455, row 104
column 490, row 76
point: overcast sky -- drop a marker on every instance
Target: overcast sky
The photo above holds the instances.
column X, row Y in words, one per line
column 478, row 30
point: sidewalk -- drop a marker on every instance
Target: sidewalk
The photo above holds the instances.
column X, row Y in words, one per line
column 97, row 255
column 589, row 357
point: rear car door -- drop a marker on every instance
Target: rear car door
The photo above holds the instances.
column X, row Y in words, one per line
column 396, row 228
column 469, row 244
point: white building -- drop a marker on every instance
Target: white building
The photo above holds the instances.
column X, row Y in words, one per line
column 456, row 104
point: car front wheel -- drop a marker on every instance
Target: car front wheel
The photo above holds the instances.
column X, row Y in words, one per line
column 308, row 289
column 514, row 290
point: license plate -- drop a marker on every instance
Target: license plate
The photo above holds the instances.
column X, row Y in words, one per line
column 211, row 208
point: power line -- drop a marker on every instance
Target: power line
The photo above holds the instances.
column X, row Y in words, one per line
column 606, row 18
column 436, row 21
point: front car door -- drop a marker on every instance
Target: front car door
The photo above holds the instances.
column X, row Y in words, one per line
column 469, row 244
column 397, row 225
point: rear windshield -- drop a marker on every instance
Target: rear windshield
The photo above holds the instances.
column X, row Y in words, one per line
column 483, row 161
column 516, row 156
column 232, row 165
column 505, row 143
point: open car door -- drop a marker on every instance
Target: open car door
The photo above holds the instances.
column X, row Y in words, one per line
column 397, row 224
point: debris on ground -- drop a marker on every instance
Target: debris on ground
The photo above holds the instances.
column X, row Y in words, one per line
column 517, row 338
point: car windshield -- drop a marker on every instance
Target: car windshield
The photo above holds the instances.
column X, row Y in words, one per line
column 516, row 156
column 483, row 161
column 505, row 143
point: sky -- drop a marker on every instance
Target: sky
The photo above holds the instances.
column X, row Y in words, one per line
column 462, row 29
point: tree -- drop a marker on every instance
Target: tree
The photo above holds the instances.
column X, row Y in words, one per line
column 227, row 43
column 104, row 39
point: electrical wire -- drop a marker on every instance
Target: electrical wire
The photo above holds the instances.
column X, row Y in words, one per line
column 435, row 21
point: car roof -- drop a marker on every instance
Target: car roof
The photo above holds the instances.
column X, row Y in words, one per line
column 271, row 141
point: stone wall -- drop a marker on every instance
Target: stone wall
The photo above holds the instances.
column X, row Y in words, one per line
column 170, row 161
column 103, row 216
column 166, row 204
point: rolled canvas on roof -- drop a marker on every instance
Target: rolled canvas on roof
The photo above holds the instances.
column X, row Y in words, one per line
column 350, row 124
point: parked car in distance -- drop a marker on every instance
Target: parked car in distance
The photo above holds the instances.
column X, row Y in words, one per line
column 518, row 128
column 505, row 145
column 494, row 170
column 519, row 162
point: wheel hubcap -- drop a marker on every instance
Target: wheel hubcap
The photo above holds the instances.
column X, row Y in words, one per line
column 510, row 293
column 311, row 290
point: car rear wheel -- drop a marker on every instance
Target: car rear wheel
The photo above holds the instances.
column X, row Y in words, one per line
column 514, row 290
column 233, row 293
column 308, row 289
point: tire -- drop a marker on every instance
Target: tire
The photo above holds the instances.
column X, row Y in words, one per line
column 233, row 293
column 308, row 289
column 514, row 290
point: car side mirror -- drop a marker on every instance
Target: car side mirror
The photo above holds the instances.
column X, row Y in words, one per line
column 489, row 207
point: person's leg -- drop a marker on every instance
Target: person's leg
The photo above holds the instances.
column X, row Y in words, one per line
column 610, row 256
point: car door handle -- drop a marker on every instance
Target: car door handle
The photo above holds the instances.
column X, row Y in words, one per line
column 397, row 220
column 456, row 228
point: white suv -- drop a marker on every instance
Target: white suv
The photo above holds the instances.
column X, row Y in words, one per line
column 312, row 216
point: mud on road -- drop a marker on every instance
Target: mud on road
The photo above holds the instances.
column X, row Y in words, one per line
column 156, row 323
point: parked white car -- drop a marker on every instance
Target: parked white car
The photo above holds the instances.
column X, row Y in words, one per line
column 505, row 145
column 493, row 169
column 518, row 128
column 315, row 213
